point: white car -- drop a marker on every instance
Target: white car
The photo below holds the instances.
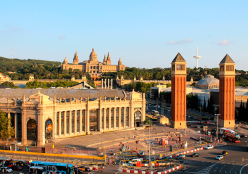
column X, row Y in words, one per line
column 219, row 157
column 209, row 147
column 6, row 169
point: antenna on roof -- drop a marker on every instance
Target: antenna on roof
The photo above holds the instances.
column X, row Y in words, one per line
column 12, row 55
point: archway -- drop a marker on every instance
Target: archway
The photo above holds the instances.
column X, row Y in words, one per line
column 48, row 129
column 31, row 129
column 137, row 119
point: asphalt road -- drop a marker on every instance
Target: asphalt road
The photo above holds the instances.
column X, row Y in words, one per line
column 206, row 163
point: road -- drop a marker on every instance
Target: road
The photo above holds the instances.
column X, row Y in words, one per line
column 206, row 163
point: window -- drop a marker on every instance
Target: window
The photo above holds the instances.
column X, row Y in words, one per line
column 103, row 118
column 58, row 123
column 107, row 118
column 229, row 68
column 117, row 117
column 62, row 123
column 72, row 121
column 122, row 117
column 67, row 122
column 78, row 121
column 127, row 117
column 180, row 67
column 173, row 67
column 221, row 67
column 112, row 118
column 83, row 120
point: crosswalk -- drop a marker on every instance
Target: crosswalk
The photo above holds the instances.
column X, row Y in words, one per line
column 205, row 170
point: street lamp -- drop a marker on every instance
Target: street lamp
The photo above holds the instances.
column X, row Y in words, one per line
column 68, row 146
column 4, row 148
column 217, row 115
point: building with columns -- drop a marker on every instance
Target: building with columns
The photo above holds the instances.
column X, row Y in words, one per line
column 93, row 66
column 40, row 115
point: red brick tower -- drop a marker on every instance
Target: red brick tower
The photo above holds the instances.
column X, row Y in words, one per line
column 178, row 92
column 227, row 92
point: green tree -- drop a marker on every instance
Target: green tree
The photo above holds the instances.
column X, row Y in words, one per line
column 9, row 84
column 6, row 130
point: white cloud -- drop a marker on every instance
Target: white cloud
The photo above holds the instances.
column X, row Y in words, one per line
column 62, row 36
column 224, row 42
column 182, row 41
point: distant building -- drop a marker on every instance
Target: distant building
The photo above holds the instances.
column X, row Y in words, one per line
column 4, row 78
column 93, row 66
column 208, row 82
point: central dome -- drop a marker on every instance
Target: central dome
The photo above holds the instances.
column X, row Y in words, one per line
column 93, row 55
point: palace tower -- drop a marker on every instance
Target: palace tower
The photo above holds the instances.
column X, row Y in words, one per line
column 227, row 92
column 178, row 92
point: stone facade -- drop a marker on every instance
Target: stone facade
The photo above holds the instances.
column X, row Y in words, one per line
column 93, row 66
column 42, row 117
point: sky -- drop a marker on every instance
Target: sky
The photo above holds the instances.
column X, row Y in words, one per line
column 143, row 33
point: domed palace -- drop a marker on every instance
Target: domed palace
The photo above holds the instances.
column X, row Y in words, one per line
column 208, row 82
column 93, row 66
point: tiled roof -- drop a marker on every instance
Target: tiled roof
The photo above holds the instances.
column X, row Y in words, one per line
column 227, row 59
column 178, row 58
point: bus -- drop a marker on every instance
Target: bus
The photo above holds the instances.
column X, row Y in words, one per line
column 230, row 135
column 37, row 170
column 62, row 168
column 6, row 161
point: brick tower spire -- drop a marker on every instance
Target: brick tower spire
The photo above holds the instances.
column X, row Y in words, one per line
column 178, row 92
column 227, row 92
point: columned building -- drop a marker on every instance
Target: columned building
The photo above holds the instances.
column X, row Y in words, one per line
column 178, row 92
column 38, row 116
column 227, row 92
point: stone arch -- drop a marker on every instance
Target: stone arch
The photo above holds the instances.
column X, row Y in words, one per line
column 31, row 129
column 48, row 128
column 137, row 118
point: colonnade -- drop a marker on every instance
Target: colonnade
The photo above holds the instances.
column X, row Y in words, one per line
column 107, row 84
column 76, row 122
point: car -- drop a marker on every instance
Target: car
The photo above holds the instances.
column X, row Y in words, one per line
column 166, row 158
column 209, row 147
column 78, row 170
column 200, row 122
column 195, row 155
column 15, row 167
column 224, row 153
column 6, row 169
column 180, row 157
column 206, row 121
column 84, row 168
column 243, row 136
column 219, row 157
column 188, row 124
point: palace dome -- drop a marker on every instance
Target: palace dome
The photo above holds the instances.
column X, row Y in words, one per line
column 208, row 82
column 93, row 55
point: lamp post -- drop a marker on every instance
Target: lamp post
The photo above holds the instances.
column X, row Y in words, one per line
column 4, row 149
column 217, row 115
column 68, row 146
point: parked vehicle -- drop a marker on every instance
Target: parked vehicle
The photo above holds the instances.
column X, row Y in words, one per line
column 6, row 169
column 15, row 167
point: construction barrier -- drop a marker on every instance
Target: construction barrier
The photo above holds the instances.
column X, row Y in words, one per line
column 148, row 172
column 52, row 155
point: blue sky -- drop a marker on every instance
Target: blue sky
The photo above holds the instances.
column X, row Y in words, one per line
column 143, row 33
